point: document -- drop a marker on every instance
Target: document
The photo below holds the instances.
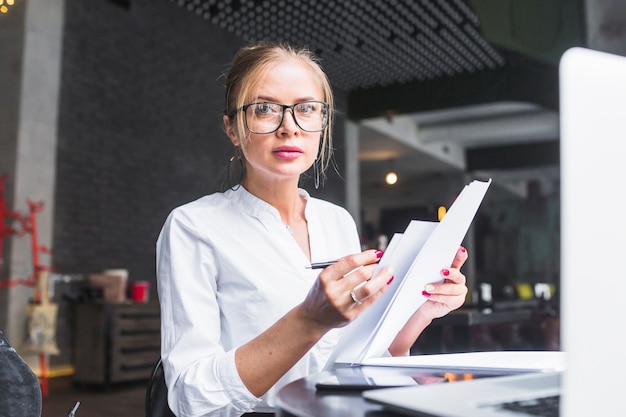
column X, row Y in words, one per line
column 500, row 361
column 417, row 255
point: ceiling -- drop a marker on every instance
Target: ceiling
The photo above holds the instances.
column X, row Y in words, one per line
column 364, row 43
column 436, row 86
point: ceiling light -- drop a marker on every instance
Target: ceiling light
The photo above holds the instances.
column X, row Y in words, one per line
column 391, row 178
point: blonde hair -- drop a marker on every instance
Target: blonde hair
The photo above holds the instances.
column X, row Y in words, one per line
column 252, row 62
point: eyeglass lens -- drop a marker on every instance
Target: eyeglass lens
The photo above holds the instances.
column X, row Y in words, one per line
column 310, row 116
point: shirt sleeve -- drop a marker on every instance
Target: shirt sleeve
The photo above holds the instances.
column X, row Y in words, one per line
column 202, row 378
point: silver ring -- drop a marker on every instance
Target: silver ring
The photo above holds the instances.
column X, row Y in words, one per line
column 354, row 297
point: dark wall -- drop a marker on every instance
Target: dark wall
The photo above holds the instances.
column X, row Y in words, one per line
column 139, row 129
column 519, row 241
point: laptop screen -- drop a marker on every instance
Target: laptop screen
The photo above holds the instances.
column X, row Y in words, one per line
column 593, row 226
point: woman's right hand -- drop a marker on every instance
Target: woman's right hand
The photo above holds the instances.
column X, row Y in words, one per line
column 330, row 303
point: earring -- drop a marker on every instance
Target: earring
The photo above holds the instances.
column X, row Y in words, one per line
column 316, row 174
column 229, row 168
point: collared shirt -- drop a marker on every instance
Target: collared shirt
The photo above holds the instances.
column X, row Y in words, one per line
column 227, row 269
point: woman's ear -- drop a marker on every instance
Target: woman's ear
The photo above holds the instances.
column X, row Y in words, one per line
column 230, row 130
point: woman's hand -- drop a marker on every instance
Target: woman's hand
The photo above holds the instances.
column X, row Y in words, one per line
column 329, row 304
column 346, row 288
column 442, row 298
column 448, row 295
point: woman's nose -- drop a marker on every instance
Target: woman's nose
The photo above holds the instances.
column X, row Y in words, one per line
column 288, row 123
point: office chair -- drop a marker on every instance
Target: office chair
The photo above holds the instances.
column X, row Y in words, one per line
column 20, row 393
column 156, row 394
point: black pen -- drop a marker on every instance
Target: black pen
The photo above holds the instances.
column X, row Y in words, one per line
column 320, row 265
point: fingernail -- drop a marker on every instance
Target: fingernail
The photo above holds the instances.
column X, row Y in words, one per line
column 425, row 294
column 390, row 280
column 429, row 288
column 445, row 272
column 379, row 253
column 462, row 249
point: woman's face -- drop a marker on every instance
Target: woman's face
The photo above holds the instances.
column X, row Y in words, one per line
column 289, row 151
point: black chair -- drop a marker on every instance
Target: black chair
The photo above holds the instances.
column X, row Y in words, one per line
column 20, row 393
column 156, row 394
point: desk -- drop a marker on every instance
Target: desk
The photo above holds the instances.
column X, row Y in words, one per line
column 301, row 398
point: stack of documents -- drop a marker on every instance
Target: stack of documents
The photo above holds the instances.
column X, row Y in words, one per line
column 417, row 255
column 497, row 361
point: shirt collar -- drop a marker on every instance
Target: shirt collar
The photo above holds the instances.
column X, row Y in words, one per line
column 258, row 208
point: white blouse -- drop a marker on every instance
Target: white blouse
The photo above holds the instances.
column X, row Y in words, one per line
column 227, row 269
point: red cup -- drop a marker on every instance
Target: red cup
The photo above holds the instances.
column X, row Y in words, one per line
column 140, row 291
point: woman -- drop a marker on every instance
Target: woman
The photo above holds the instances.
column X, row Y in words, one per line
column 242, row 314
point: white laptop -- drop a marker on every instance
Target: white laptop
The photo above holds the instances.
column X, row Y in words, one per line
column 593, row 249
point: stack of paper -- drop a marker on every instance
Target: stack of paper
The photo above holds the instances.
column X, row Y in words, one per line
column 417, row 255
column 500, row 361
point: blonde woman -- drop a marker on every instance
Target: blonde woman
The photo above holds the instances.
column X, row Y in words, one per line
column 242, row 312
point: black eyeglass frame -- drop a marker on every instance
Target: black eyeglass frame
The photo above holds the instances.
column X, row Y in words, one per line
column 282, row 115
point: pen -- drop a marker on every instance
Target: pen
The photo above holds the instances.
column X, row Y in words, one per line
column 320, row 265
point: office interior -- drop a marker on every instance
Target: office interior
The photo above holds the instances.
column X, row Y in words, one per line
column 110, row 116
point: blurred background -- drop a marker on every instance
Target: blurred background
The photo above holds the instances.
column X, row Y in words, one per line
column 110, row 116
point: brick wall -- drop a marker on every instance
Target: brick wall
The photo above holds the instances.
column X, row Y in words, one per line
column 139, row 129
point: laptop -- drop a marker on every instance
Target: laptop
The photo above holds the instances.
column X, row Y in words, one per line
column 593, row 283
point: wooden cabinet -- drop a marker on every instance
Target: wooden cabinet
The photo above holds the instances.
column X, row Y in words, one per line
column 116, row 342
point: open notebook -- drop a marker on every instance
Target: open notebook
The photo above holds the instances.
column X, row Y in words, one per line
column 417, row 256
column 593, row 286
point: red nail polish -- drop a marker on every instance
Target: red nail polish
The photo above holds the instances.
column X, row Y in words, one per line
column 390, row 280
column 462, row 249
column 426, row 294
column 379, row 253
column 445, row 272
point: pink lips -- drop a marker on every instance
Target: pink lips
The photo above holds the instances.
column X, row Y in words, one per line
column 287, row 152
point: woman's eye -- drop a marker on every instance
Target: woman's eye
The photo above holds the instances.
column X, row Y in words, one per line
column 264, row 109
column 306, row 108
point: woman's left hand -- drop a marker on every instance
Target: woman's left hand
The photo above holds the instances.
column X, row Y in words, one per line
column 448, row 295
column 442, row 298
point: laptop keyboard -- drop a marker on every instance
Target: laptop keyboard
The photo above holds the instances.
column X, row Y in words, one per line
column 541, row 407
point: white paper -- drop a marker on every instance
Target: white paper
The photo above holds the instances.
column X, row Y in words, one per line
column 520, row 361
column 417, row 255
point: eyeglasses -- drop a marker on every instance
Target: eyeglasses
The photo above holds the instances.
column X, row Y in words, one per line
column 263, row 118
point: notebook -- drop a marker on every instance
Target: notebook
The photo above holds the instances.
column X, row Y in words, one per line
column 593, row 285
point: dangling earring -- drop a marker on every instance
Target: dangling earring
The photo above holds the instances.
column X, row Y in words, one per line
column 316, row 174
column 236, row 157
